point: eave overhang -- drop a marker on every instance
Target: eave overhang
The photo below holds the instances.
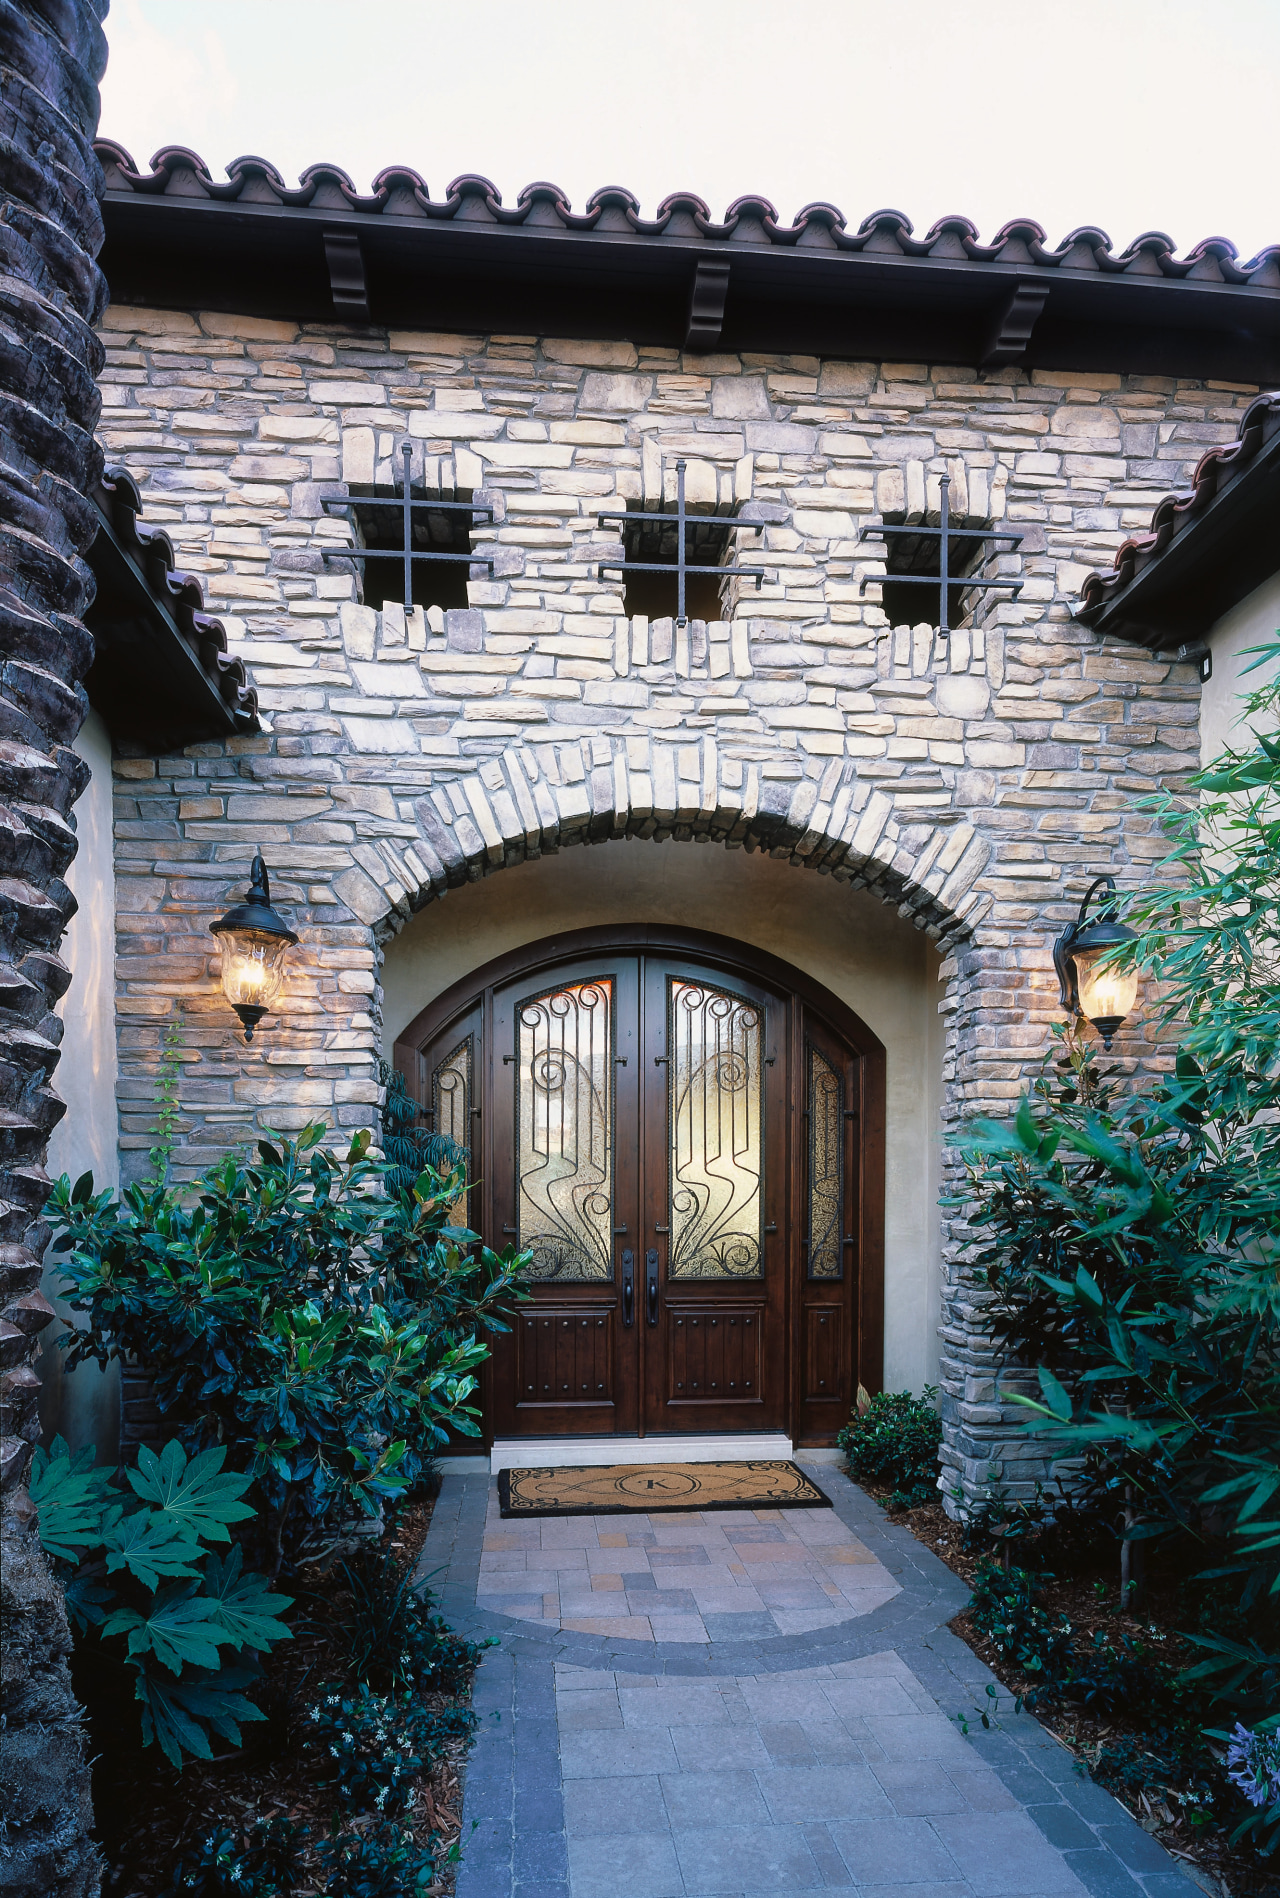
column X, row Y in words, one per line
column 161, row 677
column 321, row 252
column 1207, row 549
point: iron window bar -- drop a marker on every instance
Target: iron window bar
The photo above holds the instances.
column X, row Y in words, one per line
column 683, row 522
column 406, row 551
column 944, row 580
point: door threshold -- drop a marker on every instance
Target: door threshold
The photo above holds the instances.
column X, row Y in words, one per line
column 558, row 1453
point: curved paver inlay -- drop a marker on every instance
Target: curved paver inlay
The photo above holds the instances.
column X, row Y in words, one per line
column 727, row 1575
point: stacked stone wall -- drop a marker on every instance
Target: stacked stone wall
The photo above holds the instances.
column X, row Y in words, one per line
column 975, row 787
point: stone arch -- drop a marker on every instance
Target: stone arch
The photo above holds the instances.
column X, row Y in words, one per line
column 513, row 808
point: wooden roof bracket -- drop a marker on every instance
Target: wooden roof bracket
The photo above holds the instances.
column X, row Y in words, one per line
column 346, row 276
column 707, row 295
column 1011, row 332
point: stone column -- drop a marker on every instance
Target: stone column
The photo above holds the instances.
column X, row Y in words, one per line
column 51, row 293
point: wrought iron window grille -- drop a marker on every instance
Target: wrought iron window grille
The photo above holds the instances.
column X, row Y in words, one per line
column 684, row 523
column 946, row 577
column 408, row 507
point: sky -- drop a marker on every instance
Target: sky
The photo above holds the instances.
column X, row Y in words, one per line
column 1135, row 115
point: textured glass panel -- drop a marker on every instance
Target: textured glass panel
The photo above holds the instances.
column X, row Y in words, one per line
column 451, row 1102
column 826, row 1168
column 715, row 1051
column 564, row 1131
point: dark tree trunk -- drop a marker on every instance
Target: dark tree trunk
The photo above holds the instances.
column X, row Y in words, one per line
column 52, row 53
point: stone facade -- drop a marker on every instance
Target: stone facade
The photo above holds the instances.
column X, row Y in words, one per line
column 974, row 788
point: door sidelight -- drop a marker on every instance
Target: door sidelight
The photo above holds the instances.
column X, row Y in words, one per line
column 651, row 1285
column 628, row 1289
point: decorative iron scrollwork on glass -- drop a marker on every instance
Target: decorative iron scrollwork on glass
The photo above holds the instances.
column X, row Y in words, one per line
column 451, row 1085
column 564, row 1131
column 716, row 1134
column 826, row 1168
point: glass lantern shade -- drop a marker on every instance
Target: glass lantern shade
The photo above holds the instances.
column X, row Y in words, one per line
column 253, row 939
column 252, row 968
column 1091, row 985
column 1106, row 994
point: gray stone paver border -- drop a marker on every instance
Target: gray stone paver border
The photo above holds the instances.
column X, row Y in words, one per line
column 514, row 1794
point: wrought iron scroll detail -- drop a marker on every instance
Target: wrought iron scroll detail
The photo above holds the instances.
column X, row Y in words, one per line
column 451, row 1088
column 826, row 1168
column 565, row 1131
column 716, row 1145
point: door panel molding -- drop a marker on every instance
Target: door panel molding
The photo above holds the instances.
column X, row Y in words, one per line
column 813, row 1338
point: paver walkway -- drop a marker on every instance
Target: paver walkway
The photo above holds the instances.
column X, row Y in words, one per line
column 750, row 1703
column 742, row 1574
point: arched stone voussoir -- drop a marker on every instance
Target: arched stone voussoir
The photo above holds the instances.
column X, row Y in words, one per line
column 525, row 805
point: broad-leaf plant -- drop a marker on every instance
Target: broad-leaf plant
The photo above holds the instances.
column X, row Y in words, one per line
column 151, row 1572
column 324, row 1332
column 1129, row 1230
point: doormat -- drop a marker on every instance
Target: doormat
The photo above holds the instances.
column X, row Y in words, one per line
column 621, row 1489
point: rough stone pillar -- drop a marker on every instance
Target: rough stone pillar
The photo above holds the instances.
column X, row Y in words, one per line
column 51, row 292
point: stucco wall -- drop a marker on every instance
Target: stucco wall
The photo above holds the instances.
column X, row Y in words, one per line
column 885, row 970
column 1254, row 622
column 972, row 791
column 84, row 1407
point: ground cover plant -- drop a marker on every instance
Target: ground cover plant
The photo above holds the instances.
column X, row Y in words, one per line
column 313, row 1323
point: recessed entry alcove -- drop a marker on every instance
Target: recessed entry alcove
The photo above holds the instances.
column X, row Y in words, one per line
column 858, row 963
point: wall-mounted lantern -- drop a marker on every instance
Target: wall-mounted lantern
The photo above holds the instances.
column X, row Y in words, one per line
column 1090, row 984
column 254, row 939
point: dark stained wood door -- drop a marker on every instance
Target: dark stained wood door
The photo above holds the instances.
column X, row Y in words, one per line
column 715, row 1141
column 565, row 1185
column 688, row 1137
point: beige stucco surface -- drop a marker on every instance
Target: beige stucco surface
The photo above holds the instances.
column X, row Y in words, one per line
column 1254, row 622
column 85, row 1406
column 859, row 948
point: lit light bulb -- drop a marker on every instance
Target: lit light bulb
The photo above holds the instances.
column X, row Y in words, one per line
column 1107, row 994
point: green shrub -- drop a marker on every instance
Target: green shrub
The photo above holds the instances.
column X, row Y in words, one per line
column 409, row 1145
column 1129, row 1231
column 895, row 1440
column 226, row 1865
column 370, row 1748
column 137, row 1566
column 384, row 1861
column 322, row 1330
column 1006, row 1611
column 395, row 1643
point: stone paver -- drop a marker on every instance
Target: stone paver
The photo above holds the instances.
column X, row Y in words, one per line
column 745, row 1574
column 786, row 1815
column 615, row 1761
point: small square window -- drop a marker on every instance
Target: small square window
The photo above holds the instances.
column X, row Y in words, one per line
column 708, row 543
column 440, row 583
column 920, row 555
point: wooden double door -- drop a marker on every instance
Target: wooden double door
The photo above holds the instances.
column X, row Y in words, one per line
column 690, row 1145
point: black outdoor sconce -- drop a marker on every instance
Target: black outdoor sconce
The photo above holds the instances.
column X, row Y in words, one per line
column 254, row 939
column 1090, row 985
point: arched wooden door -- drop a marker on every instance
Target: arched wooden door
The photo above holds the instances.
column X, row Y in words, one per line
column 688, row 1137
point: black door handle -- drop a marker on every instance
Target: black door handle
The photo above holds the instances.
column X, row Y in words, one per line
column 628, row 1289
column 651, row 1285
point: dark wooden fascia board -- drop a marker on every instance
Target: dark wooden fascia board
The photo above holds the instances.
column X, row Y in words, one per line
column 1225, row 550
column 264, row 259
column 170, row 699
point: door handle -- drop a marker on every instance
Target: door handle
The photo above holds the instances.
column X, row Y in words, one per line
column 628, row 1289
column 651, row 1285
